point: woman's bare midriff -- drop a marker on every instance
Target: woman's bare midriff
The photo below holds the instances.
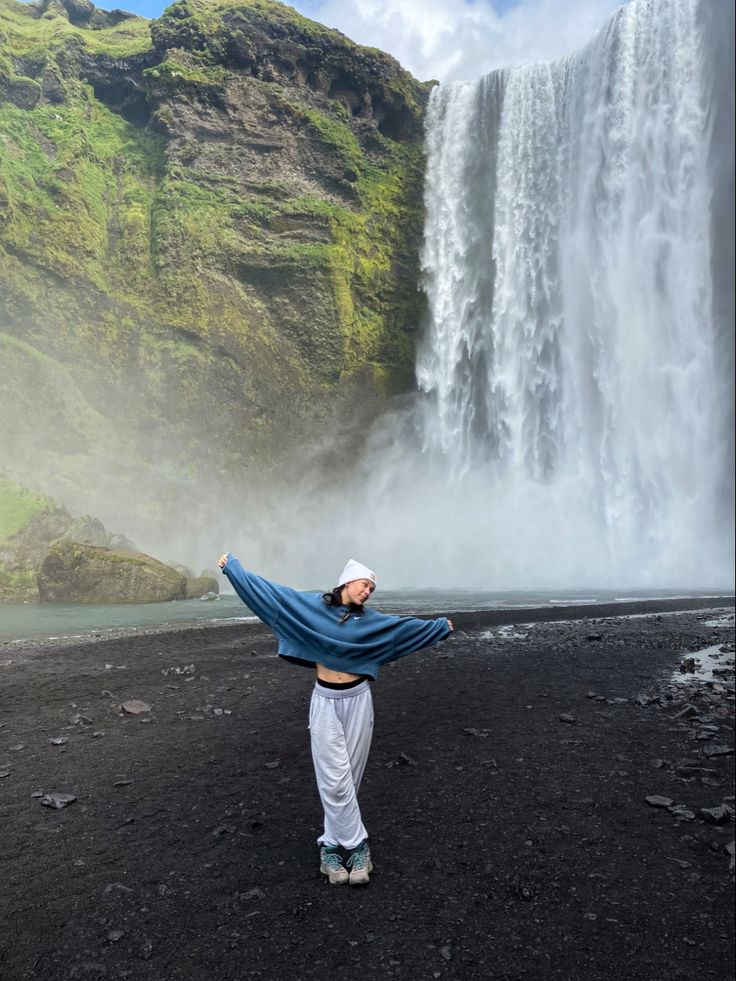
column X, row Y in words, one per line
column 335, row 677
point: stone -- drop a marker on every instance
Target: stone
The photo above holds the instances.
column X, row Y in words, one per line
column 655, row 800
column 59, row 741
column 717, row 750
column 76, row 573
column 198, row 587
column 136, row 707
column 688, row 712
column 567, row 718
column 57, row 801
column 78, row 719
column 715, row 815
column 681, row 812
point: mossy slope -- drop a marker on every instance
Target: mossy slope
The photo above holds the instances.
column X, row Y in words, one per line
column 209, row 229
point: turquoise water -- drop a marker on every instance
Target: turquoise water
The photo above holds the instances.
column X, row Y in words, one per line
column 32, row 621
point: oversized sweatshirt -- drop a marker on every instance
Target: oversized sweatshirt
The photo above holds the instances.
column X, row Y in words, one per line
column 309, row 631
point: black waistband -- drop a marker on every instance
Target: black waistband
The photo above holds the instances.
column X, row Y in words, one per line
column 339, row 686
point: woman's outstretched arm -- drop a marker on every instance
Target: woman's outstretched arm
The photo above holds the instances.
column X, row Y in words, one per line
column 260, row 595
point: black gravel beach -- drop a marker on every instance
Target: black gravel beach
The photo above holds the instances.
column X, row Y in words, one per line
column 546, row 799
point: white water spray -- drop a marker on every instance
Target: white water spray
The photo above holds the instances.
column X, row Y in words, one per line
column 570, row 362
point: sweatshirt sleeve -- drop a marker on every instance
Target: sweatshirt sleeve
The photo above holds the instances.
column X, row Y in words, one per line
column 260, row 595
column 412, row 634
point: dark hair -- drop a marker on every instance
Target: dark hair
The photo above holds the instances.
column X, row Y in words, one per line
column 334, row 598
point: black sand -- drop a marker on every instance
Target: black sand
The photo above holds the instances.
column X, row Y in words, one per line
column 508, row 843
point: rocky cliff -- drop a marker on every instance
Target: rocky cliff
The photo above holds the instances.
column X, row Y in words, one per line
column 209, row 229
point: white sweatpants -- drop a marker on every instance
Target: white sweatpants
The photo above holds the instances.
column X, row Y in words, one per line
column 341, row 727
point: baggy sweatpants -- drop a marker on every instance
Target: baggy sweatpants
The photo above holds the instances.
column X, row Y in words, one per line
column 341, row 727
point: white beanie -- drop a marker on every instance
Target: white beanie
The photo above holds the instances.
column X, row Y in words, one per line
column 355, row 570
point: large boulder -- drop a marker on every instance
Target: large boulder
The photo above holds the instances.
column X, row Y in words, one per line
column 76, row 573
column 198, row 586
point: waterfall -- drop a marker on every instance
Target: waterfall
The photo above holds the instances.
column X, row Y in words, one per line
column 573, row 420
column 572, row 370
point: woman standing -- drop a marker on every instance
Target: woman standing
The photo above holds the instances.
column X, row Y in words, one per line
column 346, row 644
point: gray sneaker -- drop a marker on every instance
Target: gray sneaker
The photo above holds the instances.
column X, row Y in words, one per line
column 360, row 865
column 331, row 865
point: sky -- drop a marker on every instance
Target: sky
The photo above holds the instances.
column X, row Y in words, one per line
column 449, row 39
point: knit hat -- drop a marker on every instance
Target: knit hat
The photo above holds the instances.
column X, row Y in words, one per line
column 355, row 570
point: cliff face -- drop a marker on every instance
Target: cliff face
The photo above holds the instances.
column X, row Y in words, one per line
column 209, row 228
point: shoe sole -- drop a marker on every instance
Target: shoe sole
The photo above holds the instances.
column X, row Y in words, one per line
column 332, row 878
column 362, row 882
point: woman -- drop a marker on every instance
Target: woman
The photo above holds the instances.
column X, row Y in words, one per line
column 346, row 644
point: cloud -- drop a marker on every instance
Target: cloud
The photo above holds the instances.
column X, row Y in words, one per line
column 451, row 40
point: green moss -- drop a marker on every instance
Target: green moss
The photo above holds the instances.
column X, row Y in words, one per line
column 17, row 506
column 29, row 36
column 178, row 74
column 17, row 587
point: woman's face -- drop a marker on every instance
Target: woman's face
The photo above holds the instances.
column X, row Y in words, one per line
column 357, row 591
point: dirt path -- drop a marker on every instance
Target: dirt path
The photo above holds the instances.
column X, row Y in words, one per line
column 509, row 842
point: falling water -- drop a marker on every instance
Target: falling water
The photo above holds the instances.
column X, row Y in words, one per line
column 572, row 368
column 572, row 427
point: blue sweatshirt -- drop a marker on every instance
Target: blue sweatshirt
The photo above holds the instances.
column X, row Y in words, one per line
column 309, row 631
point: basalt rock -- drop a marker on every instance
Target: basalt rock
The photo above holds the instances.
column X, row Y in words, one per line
column 198, row 586
column 75, row 573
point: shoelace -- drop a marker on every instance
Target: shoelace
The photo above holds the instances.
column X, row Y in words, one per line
column 358, row 859
column 331, row 859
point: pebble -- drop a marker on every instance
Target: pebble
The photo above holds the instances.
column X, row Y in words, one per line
column 715, row 815
column 654, row 800
column 135, row 706
column 57, row 801
column 567, row 718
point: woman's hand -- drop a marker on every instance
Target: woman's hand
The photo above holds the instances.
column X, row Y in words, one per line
column 452, row 625
column 222, row 561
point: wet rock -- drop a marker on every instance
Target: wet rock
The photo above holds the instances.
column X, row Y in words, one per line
column 681, row 812
column 446, row 953
column 688, row 712
column 115, row 935
column 654, row 800
column 717, row 750
column 273, row 765
column 688, row 665
column 478, row 733
column 59, row 741
column 4, row 774
column 78, row 719
column 567, row 718
column 57, row 801
column 715, row 815
column 731, row 849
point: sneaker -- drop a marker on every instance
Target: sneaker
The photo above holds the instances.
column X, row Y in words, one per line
column 360, row 864
column 331, row 865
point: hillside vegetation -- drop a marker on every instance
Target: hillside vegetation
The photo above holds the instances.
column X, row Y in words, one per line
column 209, row 229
